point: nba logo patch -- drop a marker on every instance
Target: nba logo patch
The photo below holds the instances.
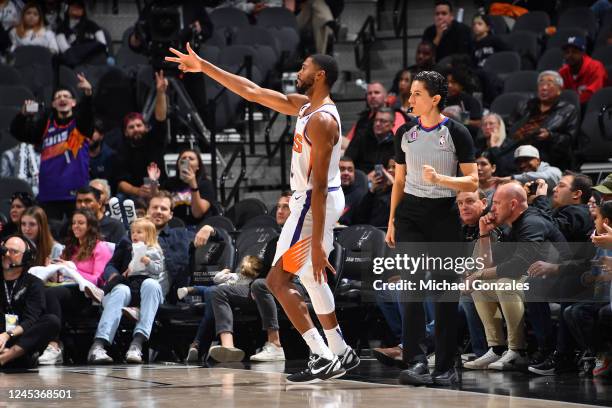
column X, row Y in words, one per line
column 442, row 141
column 413, row 136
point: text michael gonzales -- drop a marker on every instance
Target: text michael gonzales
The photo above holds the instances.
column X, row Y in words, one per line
column 459, row 265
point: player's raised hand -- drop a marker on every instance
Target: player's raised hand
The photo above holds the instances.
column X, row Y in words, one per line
column 189, row 62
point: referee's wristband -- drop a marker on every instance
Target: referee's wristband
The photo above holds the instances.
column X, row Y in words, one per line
column 193, row 190
column 485, row 235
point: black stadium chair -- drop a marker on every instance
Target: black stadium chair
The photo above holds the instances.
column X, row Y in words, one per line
column 211, row 258
column 253, row 242
column 11, row 185
column 246, row 209
column 261, row 221
column 114, row 97
column 604, row 55
column 599, row 99
column 7, row 141
column 594, row 143
column 522, row 81
column 34, row 63
column 218, row 221
column 228, row 20
column 571, row 96
column 503, row 63
column 264, row 43
column 551, row 59
column 7, row 114
column 233, row 56
column 580, row 17
column 499, row 25
column 535, row 21
column 9, row 75
column 14, row 95
column 505, row 103
column 526, row 44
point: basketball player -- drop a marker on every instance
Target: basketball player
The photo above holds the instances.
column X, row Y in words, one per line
column 316, row 205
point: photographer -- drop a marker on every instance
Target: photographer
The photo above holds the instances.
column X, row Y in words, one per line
column 192, row 25
column 26, row 329
column 63, row 135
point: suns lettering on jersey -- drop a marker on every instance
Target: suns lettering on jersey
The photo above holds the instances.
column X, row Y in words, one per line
column 298, row 140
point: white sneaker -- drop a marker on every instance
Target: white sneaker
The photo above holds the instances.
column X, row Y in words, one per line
column 131, row 313
column 225, row 354
column 181, row 293
column 269, row 352
column 134, row 355
column 508, row 361
column 482, row 362
column 51, row 356
column 97, row 355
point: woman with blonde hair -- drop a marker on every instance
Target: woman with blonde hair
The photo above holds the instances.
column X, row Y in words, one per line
column 492, row 139
column 492, row 130
column 31, row 30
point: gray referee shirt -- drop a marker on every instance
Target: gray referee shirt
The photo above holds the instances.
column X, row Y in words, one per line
column 443, row 147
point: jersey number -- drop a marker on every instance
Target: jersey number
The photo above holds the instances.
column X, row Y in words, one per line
column 297, row 143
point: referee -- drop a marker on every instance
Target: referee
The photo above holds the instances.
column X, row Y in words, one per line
column 428, row 154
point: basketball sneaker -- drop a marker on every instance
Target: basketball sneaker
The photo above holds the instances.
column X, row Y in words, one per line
column 318, row 369
column 349, row 359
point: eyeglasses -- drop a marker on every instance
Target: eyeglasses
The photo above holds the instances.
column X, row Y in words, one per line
column 11, row 251
column 382, row 121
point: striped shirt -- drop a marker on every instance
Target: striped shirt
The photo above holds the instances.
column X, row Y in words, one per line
column 443, row 147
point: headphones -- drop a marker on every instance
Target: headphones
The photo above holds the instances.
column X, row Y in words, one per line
column 29, row 255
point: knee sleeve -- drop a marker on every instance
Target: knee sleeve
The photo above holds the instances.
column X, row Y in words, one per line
column 320, row 294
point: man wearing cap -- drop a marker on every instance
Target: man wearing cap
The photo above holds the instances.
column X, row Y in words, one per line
column 546, row 121
column 532, row 168
column 604, row 189
column 141, row 155
column 580, row 72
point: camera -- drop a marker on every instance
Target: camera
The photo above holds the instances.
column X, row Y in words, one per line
column 533, row 188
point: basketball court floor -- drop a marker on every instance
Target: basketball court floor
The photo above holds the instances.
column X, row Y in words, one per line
column 263, row 385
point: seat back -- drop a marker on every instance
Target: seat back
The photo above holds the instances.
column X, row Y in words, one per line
column 581, row 17
column 361, row 243
column 11, row 185
column 7, row 114
column 228, row 20
column 526, row 44
column 14, row 95
column 551, row 59
column 253, row 241
column 601, row 98
column 219, row 221
column 245, row 209
column 277, row 17
column 505, row 103
column 212, row 258
column 264, row 220
column 34, row 63
column 604, row 55
column 522, row 81
column 535, row 21
column 503, row 63
column 115, row 97
column 9, row 75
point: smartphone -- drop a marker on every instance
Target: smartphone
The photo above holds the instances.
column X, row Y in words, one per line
column 378, row 170
column 184, row 166
column 32, row 107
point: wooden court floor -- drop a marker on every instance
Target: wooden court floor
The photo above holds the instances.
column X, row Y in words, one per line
column 263, row 386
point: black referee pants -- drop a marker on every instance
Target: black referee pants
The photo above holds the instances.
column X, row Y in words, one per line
column 429, row 220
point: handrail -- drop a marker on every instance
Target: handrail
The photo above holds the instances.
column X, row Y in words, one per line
column 365, row 38
column 400, row 27
column 279, row 145
column 235, row 192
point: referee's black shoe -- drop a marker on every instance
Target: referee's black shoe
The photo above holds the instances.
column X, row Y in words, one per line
column 416, row 374
column 447, row 378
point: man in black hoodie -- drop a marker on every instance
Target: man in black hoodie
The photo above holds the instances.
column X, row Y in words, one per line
column 26, row 328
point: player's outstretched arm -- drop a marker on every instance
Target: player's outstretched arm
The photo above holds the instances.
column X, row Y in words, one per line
column 286, row 104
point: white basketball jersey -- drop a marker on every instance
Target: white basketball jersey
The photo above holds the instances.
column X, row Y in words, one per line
column 301, row 160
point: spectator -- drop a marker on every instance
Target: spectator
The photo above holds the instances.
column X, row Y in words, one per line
column 459, row 94
column 86, row 254
column 79, row 38
column 105, row 192
column 374, row 207
column 111, row 230
column 425, row 57
column 251, row 7
column 31, row 30
column 9, row 13
column 569, row 210
column 531, row 168
column 527, row 225
column 22, row 295
column 375, row 100
column 485, row 42
column 546, row 121
column 23, row 162
column 401, row 90
column 449, row 36
column 101, row 156
column 192, row 192
column 261, row 295
column 142, row 147
column 53, row 12
column 20, row 201
column 175, row 244
column 63, row 136
column 353, row 193
column 580, row 72
column 604, row 189
column 315, row 16
column 35, row 226
column 486, row 168
column 492, row 138
column 372, row 148
column 581, row 317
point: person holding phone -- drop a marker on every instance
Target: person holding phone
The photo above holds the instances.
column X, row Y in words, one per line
column 191, row 190
column 374, row 207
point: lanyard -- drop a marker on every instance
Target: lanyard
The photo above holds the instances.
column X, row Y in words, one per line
column 9, row 295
